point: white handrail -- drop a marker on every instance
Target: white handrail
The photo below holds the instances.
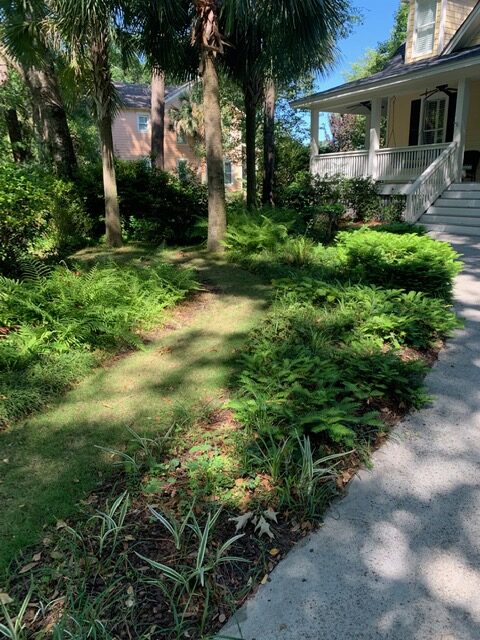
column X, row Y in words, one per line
column 431, row 184
column 406, row 163
column 350, row 164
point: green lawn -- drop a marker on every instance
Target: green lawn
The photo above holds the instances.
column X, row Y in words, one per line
column 50, row 462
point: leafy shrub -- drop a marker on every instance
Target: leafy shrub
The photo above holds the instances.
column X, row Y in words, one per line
column 24, row 209
column 407, row 261
column 155, row 206
column 386, row 316
column 249, row 232
column 300, row 376
column 400, row 228
column 361, row 196
column 313, row 195
column 55, row 325
column 37, row 207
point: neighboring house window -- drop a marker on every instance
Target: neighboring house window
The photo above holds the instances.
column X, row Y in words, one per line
column 434, row 121
column 228, row 171
column 181, row 139
column 425, row 19
column 182, row 169
column 142, row 123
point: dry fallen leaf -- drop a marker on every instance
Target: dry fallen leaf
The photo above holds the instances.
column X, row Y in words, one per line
column 5, row 598
column 61, row 524
column 263, row 527
column 241, row 521
column 271, row 515
column 274, row 552
column 222, row 618
column 37, row 557
column 130, row 590
column 264, row 579
column 56, row 555
column 28, row 567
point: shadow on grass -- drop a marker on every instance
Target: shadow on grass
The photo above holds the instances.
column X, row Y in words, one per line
column 51, row 461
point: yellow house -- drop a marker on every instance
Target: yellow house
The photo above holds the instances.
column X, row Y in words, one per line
column 429, row 97
column 132, row 135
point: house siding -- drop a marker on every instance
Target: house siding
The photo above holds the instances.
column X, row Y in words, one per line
column 131, row 144
column 399, row 119
column 450, row 16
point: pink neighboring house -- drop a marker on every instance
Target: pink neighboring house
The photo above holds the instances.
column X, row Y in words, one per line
column 131, row 134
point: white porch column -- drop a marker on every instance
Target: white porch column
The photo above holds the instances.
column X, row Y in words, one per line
column 374, row 139
column 461, row 115
column 368, row 125
column 314, row 132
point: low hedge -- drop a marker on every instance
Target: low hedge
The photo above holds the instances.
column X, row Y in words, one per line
column 400, row 261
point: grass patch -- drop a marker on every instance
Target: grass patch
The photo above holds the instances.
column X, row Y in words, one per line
column 57, row 324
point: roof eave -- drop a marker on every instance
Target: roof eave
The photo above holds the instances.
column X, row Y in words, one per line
column 467, row 28
column 343, row 97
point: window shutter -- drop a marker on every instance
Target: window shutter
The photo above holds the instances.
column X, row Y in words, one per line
column 425, row 26
column 452, row 107
column 414, row 122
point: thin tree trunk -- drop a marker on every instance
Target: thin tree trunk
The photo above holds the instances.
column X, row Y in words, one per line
column 250, row 147
column 217, row 221
column 104, row 96
column 50, row 118
column 157, row 119
column 269, row 143
column 19, row 149
column 112, row 212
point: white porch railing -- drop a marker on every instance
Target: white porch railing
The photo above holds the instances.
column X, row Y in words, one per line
column 399, row 163
column 407, row 163
column 351, row 164
column 431, row 184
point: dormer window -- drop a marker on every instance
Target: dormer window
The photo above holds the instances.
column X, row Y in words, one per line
column 425, row 19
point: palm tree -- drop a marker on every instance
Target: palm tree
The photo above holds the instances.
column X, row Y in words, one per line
column 275, row 42
column 89, row 30
column 207, row 37
column 161, row 27
column 25, row 41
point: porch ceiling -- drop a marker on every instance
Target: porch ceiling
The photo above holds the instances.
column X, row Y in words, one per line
column 395, row 80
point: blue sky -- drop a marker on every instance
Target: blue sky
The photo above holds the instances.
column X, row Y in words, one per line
column 377, row 23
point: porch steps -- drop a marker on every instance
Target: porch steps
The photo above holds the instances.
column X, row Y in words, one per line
column 457, row 211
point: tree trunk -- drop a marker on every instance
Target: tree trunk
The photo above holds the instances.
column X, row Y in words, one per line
column 50, row 118
column 157, row 119
column 269, row 143
column 112, row 212
column 250, row 147
column 217, row 221
column 19, row 150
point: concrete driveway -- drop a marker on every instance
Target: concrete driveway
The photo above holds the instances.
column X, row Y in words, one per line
column 399, row 557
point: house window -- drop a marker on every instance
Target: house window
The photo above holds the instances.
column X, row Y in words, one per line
column 142, row 123
column 425, row 19
column 182, row 169
column 181, row 139
column 434, row 121
column 228, row 172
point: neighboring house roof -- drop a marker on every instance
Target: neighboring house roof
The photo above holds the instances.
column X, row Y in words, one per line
column 138, row 96
column 397, row 68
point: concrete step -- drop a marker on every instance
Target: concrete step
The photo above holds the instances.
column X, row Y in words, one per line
column 451, row 228
column 464, row 186
column 467, row 212
column 457, row 202
column 430, row 218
